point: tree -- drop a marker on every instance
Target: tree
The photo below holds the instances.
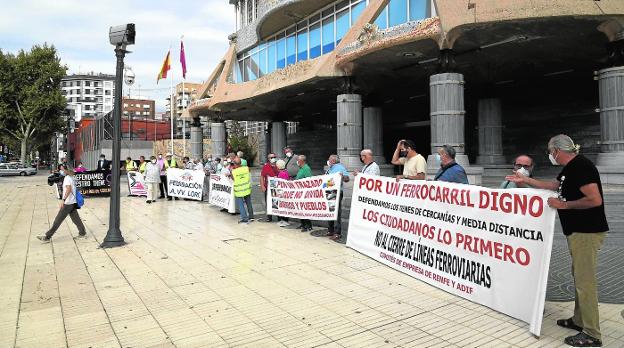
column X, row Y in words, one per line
column 240, row 142
column 31, row 103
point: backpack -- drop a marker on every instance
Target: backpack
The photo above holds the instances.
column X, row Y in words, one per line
column 79, row 199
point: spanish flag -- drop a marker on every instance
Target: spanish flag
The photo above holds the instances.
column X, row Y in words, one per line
column 165, row 67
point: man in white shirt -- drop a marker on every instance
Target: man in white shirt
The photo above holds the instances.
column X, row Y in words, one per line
column 414, row 164
column 370, row 167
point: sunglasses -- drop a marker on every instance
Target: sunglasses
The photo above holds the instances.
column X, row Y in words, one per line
column 518, row 166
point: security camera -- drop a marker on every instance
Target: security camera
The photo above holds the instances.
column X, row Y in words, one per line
column 122, row 34
column 129, row 76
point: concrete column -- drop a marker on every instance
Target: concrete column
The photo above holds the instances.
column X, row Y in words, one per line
column 373, row 132
column 349, row 127
column 278, row 138
column 197, row 140
column 217, row 132
column 447, row 122
column 490, row 132
column 610, row 160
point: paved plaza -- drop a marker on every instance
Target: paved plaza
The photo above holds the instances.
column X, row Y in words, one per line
column 190, row 276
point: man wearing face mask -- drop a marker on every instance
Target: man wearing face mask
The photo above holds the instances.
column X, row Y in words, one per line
column 523, row 165
column 269, row 170
column 304, row 172
column 163, row 175
column 103, row 164
column 580, row 205
column 414, row 164
column 450, row 171
column 170, row 162
column 152, row 179
column 291, row 162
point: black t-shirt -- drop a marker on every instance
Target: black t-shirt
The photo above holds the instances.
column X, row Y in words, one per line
column 579, row 172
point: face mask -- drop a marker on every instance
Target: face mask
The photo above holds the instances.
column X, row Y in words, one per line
column 329, row 164
column 160, row 156
column 438, row 158
column 289, row 154
column 553, row 159
column 62, row 172
column 154, row 161
column 523, row 172
column 273, row 160
column 101, row 158
column 403, row 153
column 361, row 160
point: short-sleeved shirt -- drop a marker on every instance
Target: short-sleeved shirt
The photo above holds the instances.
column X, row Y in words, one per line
column 453, row 172
column 371, row 169
column 269, row 170
column 304, row 172
column 243, row 162
column 283, row 174
column 71, row 198
column 579, row 172
column 338, row 168
column 413, row 166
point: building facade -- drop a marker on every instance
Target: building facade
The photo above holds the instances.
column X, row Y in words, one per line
column 91, row 94
column 139, row 109
column 494, row 79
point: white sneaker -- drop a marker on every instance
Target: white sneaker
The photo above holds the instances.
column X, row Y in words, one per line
column 280, row 223
column 285, row 223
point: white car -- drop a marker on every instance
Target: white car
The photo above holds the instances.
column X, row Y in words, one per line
column 16, row 169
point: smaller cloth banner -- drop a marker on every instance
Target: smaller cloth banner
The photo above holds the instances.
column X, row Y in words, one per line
column 185, row 183
column 136, row 184
column 222, row 192
column 313, row 198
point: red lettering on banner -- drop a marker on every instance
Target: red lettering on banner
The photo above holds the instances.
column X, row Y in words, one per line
column 509, row 203
column 497, row 250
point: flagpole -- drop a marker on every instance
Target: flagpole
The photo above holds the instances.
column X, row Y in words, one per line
column 171, row 112
column 183, row 101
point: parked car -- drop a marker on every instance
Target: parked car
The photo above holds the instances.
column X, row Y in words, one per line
column 16, row 169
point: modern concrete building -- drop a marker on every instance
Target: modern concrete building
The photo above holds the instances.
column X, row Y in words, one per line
column 138, row 109
column 492, row 78
column 92, row 94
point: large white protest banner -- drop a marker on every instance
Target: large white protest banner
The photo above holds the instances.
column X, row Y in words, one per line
column 487, row 245
column 185, row 183
column 222, row 192
column 313, row 198
column 136, row 184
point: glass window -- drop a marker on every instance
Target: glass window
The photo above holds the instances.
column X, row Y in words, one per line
column 262, row 61
column 246, row 69
column 315, row 40
column 328, row 35
column 328, row 12
column 342, row 24
column 356, row 11
column 302, row 45
column 381, row 21
column 281, row 52
column 341, row 5
column 397, row 12
column 291, row 53
column 418, row 9
column 271, row 57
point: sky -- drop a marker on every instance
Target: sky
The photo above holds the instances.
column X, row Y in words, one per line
column 79, row 31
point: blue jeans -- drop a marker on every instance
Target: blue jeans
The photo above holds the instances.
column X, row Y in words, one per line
column 241, row 202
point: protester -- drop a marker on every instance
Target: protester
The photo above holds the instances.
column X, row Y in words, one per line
column 152, row 179
column 226, row 170
column 240, row 155
column 370, row 167
column 269, row 170
column 209, row 166
column 142, row 164
column 130, row 165
column 197, row 165
column 304, row 172
column 414, row 164
column 242, row 191
column 291, row 162
column 163, row 176
column 450, row 171
column 170, row 162
column 187, row 163
column 580, row 204
column 282, row 174
column 80, row 168
column 218, row 165
column 334, row 230
column 103, row 164
column 68, row 207
column 523, row 165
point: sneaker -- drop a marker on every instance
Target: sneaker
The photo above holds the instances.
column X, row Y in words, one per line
column 252, row 219
column 285, row 224
column 81, row 236
column 243, row 221
column 43, row 239
column 306, row 229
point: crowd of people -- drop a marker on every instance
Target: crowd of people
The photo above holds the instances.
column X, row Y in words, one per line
column 579, row 201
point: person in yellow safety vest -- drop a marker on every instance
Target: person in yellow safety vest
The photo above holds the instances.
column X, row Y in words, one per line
column 242, row 191
column 130, row 165
column 142, row 164
column 170, row 162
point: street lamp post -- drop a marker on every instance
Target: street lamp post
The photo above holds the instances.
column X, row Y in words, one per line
column 120, row 36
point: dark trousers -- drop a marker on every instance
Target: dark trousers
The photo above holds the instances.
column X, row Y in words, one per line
column 305, row 223
column 336, row 226
column 72, row 211
column 163, row 186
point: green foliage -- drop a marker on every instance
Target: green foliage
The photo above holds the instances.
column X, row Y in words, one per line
column 240, row 142
column 31, row 103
